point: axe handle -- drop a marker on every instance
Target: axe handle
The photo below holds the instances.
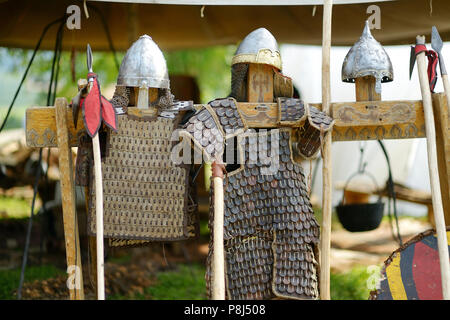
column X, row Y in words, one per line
column 218, row 263
column 325, row 239
column 433, row 170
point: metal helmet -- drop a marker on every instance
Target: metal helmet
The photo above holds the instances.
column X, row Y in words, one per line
column 144, row 65
column 259, row 46
column 367, row 58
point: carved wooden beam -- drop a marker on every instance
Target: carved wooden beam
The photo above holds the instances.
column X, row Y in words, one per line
column 377, row 120
column 41, row 127
column 365, row 120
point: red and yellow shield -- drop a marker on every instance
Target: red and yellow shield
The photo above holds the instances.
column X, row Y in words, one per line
column 413, row 271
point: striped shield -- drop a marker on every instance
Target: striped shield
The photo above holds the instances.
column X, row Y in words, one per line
column 412, row 272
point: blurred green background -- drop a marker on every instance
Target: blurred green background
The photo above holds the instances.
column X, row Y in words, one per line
column 209, row 66
column 211, row 69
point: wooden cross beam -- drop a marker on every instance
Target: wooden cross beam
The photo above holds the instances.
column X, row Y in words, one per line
column 363, row 120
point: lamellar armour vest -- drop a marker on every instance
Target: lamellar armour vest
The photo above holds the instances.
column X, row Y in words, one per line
column 270, row 233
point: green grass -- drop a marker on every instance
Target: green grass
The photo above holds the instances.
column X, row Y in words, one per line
column 350, row 285
column 9, row 279
column 14, row 208
column 186, row 282
column 120, row 259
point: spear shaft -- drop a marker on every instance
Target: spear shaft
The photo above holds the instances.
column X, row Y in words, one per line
column 98, row 199
column 433, row 170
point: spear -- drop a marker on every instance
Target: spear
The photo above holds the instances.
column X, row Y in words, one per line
column 433, row 169
column 437, row 44
column 95, row 109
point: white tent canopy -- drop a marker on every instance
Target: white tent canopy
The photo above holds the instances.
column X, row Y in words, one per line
column 408, row 157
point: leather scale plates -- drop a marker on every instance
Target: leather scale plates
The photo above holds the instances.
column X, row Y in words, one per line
column 270, row 232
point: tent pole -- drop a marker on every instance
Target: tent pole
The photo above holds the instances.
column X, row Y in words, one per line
column 325, row 238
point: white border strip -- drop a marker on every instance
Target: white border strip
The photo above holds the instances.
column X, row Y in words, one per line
column 241, row 2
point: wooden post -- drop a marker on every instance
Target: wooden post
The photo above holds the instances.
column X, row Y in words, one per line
column 72, row 239
column 325, row 239
column 365, row 89
column 260, row 83
column 446, row 87
column 433, row 169
column 440, row 110
column 99, row 218
column 152, row 96
column 218, row 263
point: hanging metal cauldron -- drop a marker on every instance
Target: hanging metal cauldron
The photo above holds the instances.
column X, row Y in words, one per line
column 358, row 217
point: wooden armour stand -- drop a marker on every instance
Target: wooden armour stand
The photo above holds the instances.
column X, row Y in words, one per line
column 368, row 118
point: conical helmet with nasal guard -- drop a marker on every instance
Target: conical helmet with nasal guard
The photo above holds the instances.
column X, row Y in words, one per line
column 144, row 65
column 259, row 46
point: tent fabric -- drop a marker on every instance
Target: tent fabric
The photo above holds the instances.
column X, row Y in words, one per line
column 182, row 26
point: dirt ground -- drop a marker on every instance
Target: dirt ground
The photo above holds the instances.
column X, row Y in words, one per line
column 133, row 269
column 127, row 271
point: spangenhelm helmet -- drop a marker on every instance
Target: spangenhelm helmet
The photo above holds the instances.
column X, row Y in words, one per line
column 367, row 58
column 259, row 46
column 144, row 64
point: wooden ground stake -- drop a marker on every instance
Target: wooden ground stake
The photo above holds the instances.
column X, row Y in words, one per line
column 99, row 218
column 218, row 263
column 433, row 168
column 325, row 238
column 71, row 236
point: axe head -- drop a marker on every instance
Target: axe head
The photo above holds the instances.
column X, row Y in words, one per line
column 412, row 61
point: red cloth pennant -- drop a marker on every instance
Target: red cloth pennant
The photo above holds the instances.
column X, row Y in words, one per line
column 109, row 115
column 432, row 64
column 96, row 108
column 91, row 110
